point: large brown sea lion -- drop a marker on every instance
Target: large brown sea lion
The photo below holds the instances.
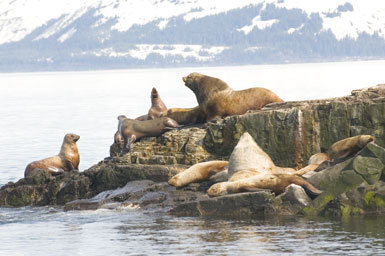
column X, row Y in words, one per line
column 187, row 116
column 131, row 129
column 218, row 100
column 348, row 147
column 198, row 173
column 67, row 160
column 158, row 108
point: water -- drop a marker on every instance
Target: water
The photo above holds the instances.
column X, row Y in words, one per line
column 37, row 109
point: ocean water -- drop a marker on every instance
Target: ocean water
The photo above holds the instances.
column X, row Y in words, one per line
column 38, row 109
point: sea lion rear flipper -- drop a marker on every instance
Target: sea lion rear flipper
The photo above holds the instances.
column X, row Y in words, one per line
column 309, row 188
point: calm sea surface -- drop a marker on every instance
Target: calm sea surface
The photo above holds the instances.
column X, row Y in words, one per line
column 38, row 109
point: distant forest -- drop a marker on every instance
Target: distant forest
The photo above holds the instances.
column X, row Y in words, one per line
column 307, row 43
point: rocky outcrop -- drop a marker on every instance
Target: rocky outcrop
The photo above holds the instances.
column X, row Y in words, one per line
column 179, row 146
column 43, row 189
column 289, row 132
column 353, row 186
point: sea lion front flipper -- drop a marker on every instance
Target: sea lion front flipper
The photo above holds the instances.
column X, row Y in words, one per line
column 127, row 144
column 68, row 165
column 170, row 123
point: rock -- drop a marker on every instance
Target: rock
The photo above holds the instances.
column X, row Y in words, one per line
column 234, row 205
column 290, row 202
column 291, row 132
column 346, row 182
column 144, row 194
column 182, row 146
column 220, row 177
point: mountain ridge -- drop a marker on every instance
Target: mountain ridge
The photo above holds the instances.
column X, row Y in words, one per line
column 102, row 34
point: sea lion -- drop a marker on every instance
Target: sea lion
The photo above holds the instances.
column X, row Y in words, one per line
column 247, row 155
column 348, row 147
column 67, row 160
column 250, row 168
column 118, row 137
column 218, row 100
column 187, row 116
column 158, row 108
column 131, row 129
column 198, row 172
column 275, row 182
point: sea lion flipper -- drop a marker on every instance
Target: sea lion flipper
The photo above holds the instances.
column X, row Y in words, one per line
column 127, row 144
column 68, row 165
column 309, row 188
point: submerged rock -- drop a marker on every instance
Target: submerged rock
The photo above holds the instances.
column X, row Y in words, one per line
column 144, row 194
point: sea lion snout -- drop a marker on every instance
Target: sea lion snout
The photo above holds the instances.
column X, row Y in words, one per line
column 76, row 137
column 184, row 79
column 154, row 92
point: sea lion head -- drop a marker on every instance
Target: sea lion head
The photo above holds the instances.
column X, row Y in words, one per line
column 122, row 117
column 71, row 138
column 175, row 181
column 364, row 140
column 154, row 93
column 192, row 80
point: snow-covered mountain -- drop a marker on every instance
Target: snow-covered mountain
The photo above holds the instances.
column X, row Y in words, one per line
column 82, row 34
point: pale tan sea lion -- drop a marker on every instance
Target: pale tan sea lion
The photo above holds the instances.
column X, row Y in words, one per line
column 187, row 116
column 348, row 147
column 67, row 160
column 247, row 155
column 218, row 100
column 198, row 173
column 158, row 108
column 243, row 174
column 275, row 182
column 131, row 129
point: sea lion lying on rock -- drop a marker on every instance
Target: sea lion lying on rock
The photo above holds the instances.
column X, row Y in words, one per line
column 275, row 182
column 341, row 150
column 198, row 173
column 348, row 147
column 218, row 100
column 67, row 160
column 131, row 129
column 249, row 169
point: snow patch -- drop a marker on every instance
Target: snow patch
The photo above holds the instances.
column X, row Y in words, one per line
column 293, row 30
column 67, row 35
column 260, row 24
column 142, row 51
